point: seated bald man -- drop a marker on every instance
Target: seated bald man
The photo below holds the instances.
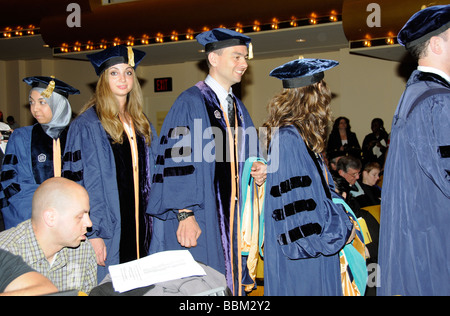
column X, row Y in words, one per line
column 53, row 241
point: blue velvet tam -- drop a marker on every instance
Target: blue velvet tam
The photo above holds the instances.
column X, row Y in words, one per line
column 302, row 72
column 221, row 38
column 114, row 55
column 425, row 24
column 51, row 84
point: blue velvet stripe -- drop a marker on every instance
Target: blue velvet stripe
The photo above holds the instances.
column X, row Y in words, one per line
column 10, row 191
column 299, row 233
column 72, row 156
column 290, row 184
column 10, row 160
column 294, row 208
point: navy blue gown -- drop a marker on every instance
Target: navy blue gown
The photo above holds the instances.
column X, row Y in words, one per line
column 414, row 251
column 304, row 229
column 104, row 169
column 193, row 172
column 27, row 163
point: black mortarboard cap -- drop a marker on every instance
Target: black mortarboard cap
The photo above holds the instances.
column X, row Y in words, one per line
column 425, row 24
column 302, row 72
column 51, row 84
column 221, row 38
column 114, row 55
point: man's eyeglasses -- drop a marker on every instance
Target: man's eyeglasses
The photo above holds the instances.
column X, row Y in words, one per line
column 354, row 174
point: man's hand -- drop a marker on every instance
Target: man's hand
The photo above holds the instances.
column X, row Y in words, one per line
column 188, row 231
column 259, row 172
column 100, row 250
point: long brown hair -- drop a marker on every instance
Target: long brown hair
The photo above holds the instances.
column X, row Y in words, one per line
column 107, row 108
column 307, row 108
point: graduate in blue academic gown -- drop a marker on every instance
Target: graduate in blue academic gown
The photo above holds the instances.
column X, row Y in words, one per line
column 34, row 153
column 195, row 195
column 304, row 229
column 109, row 151
column 414, row 247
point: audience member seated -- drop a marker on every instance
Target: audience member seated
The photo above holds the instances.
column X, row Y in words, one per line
column 349, row 168
column 53, row 242
column 342, row 141
column 332, row 161
column 375, row 144
column 19, row 279
column 369, row 193
column 369, row 225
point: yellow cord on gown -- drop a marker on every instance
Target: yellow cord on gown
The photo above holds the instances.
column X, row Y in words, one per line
column 56, row 158
column 234, row 197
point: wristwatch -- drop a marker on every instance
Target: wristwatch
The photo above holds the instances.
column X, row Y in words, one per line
column 181, row 216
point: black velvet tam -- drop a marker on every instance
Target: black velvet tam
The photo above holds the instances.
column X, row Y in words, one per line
column 43, row 82
column 302, row 72
column 425, row 24
column 115, row 55
column 221, row 38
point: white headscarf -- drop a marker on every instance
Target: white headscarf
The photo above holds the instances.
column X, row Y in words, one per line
column 61, row 110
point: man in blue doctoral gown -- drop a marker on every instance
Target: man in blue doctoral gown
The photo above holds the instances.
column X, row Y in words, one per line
column 414, row 251
column 203, row 149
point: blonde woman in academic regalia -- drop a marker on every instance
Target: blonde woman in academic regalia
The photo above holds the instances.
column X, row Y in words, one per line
column 109, row 151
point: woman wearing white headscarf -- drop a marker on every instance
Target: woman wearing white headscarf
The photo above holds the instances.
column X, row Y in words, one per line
column 34, row 153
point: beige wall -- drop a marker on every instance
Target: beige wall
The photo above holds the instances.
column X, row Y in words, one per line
column 364, row 87
column 183, row 76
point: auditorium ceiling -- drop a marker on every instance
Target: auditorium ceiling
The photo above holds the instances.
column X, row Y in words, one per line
column 166, row 29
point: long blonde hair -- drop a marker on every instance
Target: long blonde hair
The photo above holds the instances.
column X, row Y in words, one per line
column 107, row 108
column 307, row 108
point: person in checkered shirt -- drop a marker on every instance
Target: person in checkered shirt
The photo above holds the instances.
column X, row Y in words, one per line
column 53, row 241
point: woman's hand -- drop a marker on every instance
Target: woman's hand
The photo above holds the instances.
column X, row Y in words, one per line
column 259, row 172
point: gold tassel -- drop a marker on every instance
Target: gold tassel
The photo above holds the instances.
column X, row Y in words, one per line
column 47, row 93
column 131, row 56
column 250, row 51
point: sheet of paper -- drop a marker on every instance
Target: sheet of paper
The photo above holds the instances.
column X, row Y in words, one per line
column 159, row 267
